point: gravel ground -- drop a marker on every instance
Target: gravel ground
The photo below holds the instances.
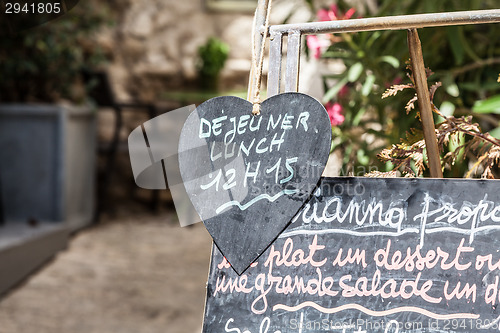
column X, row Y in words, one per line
column 137, row 274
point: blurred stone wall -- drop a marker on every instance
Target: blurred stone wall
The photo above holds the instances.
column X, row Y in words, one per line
column 154, row 43
column 153, row 48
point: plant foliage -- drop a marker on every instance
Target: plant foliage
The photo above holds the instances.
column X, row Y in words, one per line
column 462, row 133
column 43, row 63
column 466, row 62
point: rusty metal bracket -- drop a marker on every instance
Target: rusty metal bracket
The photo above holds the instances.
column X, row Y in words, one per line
column 424, row 103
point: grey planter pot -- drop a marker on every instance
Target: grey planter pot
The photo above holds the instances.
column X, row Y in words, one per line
column 47, row 179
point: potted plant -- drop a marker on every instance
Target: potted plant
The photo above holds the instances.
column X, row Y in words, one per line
column 212, row 57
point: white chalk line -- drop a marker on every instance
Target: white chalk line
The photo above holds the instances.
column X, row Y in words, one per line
column 376, row 313
column 349, row 232
column 479, row 230
column 254, row 200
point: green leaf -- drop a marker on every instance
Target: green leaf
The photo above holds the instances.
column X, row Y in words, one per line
column 374, row 36
column 470, row 86
column 368, row 85
column 333, row 91
column 447, row 108
column 457, row 48
column 449, row 85
column 495, row 133
column 354, row 72
column 389, row 166
column 453, row 90
column 337, row 141
column 490, row 105
column 390, row 60
column 336, row 54
column 359, row 115
column 363, row 159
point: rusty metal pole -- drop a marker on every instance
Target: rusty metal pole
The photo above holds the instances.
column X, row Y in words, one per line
column 424, row 103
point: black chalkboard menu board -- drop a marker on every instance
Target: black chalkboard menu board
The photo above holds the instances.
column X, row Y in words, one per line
column 372, row 255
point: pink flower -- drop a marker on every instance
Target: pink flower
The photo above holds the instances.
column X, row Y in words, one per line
column 328, row 14
column 315, row 44
column 332, row 14
column 335, row 113
column 349, row 14
column 323, row 14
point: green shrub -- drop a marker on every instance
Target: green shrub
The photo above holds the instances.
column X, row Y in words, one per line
column 212, row 57
column 43, row 64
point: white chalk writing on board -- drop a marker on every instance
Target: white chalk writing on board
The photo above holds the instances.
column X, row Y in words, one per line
column 374, row 256
column 242, row 170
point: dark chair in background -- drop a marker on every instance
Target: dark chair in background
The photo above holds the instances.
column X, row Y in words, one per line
column 102, row 94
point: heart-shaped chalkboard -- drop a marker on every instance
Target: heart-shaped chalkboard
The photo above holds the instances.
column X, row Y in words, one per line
column 247, row 175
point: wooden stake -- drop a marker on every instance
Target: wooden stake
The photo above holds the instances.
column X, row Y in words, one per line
column 424, row 103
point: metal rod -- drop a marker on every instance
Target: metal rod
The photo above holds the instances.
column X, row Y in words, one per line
column 259, row 21
column 392, row 22
column 424, row 103
column 292, row 62
column 274, row 74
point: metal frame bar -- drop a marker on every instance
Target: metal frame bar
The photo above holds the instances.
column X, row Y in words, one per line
column 274, row 73
column 292, row 62
column 402, row 22
column 294, row 31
